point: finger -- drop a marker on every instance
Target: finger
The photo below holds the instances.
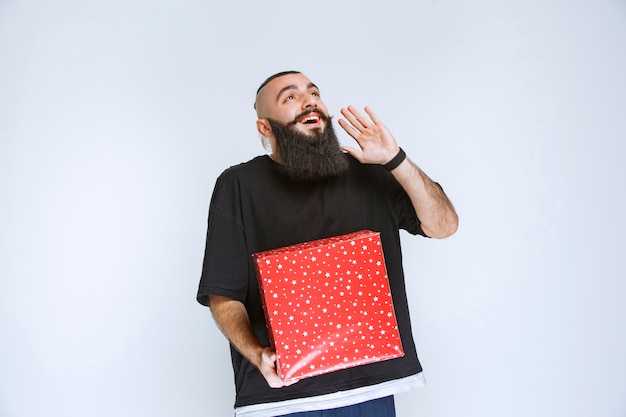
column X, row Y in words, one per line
column 355, row 118
column 350, row 130
column 364, row 121
column 372, row 115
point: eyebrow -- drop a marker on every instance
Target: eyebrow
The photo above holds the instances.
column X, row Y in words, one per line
column 293, row 87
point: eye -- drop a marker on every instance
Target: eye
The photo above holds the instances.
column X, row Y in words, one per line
column 290, row 97
column 315, row 93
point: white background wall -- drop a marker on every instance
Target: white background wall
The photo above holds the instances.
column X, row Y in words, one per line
column 116, row 118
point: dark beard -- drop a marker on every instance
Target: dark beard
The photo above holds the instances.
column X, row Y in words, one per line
column 308, row 157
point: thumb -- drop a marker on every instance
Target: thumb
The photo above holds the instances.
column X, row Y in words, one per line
column 352, row 151
column 269, row 356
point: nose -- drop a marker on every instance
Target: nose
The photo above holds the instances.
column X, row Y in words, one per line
column 310, row 101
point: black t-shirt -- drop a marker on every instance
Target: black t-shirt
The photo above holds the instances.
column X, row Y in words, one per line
column 254, row 208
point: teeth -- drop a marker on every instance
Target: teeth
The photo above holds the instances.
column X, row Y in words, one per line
column 311, row 119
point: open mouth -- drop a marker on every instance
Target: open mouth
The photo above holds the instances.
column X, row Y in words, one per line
column 311, row 118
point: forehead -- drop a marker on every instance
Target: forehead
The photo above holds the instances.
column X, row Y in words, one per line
column 286, row 82
column 270, row 95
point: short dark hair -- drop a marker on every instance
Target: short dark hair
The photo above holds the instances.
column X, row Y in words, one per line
column 271, row 77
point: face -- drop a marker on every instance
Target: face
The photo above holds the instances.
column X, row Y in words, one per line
column 295, row 120
column 291, row 99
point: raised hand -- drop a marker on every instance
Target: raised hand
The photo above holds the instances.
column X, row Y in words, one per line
column 376, row 143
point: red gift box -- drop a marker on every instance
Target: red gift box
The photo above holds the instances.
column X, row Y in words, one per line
column 327, row 304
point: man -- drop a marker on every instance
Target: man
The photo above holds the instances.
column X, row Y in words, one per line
column 309, row 188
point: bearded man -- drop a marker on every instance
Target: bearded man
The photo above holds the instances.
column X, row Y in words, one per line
column 310, row 188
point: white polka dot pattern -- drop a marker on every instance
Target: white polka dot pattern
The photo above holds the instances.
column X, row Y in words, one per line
column 328, row 305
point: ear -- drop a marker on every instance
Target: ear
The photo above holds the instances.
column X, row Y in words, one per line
column 264, row 129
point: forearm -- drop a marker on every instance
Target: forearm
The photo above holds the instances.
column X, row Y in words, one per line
column 378, row 146
column 432, row 206
column 232, row 319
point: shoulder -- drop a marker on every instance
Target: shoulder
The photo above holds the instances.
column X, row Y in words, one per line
column 247, row 178
column 257, row 163
column 246, row 170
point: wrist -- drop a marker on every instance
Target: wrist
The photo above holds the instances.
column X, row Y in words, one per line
column 395, row 161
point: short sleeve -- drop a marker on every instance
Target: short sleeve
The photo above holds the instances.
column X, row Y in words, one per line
column 224, row 270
